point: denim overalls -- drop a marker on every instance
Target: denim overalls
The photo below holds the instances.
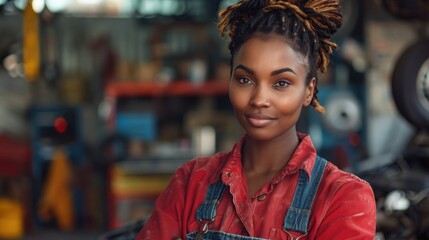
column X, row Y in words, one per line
column 296, row 218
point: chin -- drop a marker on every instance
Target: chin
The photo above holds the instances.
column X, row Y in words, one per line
column 260, row 134
column 267, row 134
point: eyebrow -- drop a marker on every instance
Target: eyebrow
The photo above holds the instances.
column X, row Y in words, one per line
column 286, row 69
column 273, row 73
column 245, row 69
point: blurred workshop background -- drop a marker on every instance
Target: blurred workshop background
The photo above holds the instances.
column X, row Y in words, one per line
column 101, row 100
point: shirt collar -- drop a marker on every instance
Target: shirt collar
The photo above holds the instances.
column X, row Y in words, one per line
column 302, row 159
column 233, row 167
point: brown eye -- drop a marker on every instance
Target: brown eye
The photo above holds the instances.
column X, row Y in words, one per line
column 244, row 80
column 281, row 84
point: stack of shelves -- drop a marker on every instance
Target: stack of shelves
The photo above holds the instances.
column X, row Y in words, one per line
column 134, row 183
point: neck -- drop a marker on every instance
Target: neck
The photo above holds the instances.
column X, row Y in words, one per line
column 264, row 157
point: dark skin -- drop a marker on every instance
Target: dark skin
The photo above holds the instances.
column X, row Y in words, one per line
column 267, row 92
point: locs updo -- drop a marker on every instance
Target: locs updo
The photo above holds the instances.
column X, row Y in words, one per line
column 307, row 24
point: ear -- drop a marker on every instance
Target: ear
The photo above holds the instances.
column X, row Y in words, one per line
column 309, row 91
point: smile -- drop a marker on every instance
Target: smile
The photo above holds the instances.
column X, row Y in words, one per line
column 259, row 120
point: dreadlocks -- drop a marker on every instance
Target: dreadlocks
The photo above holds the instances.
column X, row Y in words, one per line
column 308, row 24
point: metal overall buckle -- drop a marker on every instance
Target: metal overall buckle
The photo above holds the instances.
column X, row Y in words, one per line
column 203, row 229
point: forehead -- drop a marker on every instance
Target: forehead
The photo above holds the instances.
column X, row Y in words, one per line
column 274, row 49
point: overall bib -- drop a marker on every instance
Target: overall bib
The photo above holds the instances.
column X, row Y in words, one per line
column 296, row 218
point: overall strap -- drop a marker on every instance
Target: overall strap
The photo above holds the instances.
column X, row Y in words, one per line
column 298, row 214
column 207, row 210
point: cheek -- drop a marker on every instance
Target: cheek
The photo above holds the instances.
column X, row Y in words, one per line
column 237, row 98
column 290, row 105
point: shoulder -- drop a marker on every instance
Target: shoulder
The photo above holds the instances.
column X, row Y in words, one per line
column 340, row 185
column 339, row 177
column 346, row 205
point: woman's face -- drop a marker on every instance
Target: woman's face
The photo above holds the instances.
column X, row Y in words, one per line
column 267, row 87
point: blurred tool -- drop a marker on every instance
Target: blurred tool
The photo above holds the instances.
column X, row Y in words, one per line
column 31, row 39
column 56, row 200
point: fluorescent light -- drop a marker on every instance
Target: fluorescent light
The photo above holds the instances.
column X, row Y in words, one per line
column 57, row 5
column 38, row 5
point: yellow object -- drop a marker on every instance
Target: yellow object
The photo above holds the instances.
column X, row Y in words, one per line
column 138, row 185
column 11, row 219
column 57, row 199
column 31, row 42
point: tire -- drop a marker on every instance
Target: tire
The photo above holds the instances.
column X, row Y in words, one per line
column 410, row 84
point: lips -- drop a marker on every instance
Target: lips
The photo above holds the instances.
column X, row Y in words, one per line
column 259, row 120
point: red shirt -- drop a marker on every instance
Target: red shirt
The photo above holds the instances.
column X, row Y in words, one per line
column 344, row 207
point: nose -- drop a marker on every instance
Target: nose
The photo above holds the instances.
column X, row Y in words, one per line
column 260, row 97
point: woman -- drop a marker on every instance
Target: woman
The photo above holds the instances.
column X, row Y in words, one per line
column 272, row 185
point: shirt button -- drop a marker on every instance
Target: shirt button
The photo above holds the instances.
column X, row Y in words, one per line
column 262, row 197
column 228, row 174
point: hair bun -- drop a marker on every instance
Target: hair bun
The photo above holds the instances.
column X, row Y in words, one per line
column 320, row 18
column 325, row 14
